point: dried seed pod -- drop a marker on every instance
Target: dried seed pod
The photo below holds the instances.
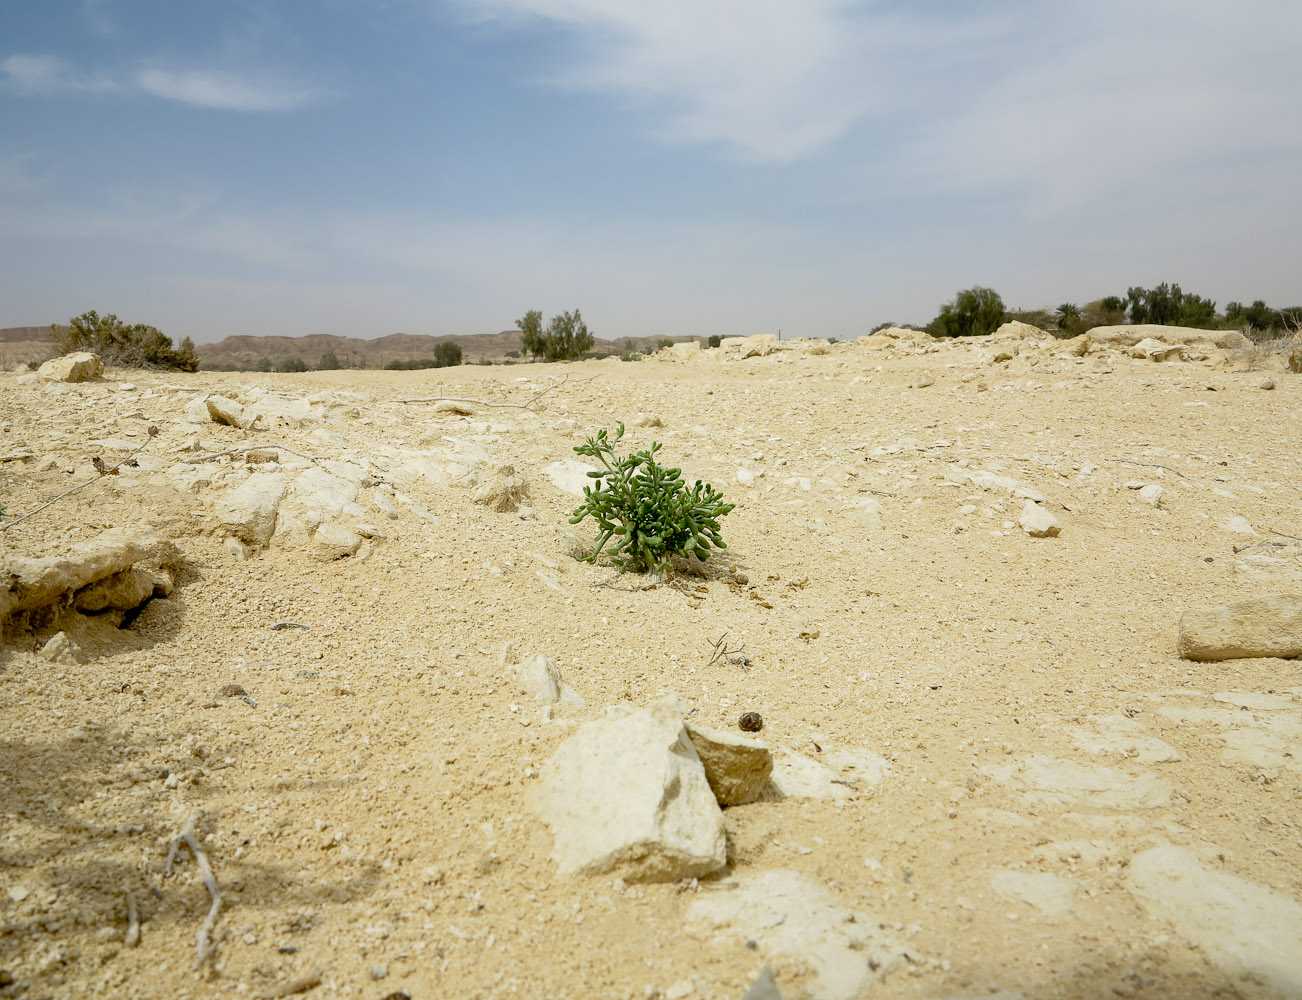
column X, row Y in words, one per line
column 751, row 722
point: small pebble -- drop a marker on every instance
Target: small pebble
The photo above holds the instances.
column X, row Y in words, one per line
column 751, row 722
column 379, row 971
column 234, row 691
column 1266, row 383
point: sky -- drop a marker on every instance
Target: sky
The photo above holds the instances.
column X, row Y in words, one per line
column 819, row 167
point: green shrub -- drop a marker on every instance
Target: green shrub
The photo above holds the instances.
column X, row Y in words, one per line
column 974, row 312
column 116, row 343
column 645, row 509
column 715, row 341
column 631, row 356
column 566, row 338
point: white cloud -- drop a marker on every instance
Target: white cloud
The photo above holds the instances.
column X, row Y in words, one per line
column 224, row 89
column 765, row 78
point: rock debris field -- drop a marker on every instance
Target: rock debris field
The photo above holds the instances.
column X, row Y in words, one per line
column 308, row 693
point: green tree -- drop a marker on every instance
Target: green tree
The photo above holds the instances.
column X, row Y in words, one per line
column 974, row 312
column 1067, row 314
column 1169, row 305
column 329, row 361
column 447, row 354
column 134, row 346
column 531, row 327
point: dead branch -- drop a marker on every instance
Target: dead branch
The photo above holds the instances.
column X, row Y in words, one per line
column 102, row 472
column 204, row 945
column 241, row 451
column 734, row 656
column 483, row 402
column 1148, row 465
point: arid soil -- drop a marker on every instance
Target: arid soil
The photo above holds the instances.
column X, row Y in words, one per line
column 364, row 804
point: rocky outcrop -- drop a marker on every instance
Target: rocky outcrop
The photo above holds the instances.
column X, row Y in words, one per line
column 1132, row 334
column 117, row 570
column 79, row 367
column 1259, row 626
column 627, row 794
column 250, row 510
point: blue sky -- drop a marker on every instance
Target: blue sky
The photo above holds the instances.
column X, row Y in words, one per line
column 362, row 167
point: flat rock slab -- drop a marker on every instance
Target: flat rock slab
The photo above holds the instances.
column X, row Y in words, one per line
column 36, row 583
column 1052, row 895
column 1251, row 933
column 790, row 915
column 627, row 794
column 1064, row 782
column 1259, row 626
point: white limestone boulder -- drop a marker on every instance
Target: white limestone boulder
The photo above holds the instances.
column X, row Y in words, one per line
column 627, row 794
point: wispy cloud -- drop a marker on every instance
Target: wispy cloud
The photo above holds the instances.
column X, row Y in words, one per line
column 764, row 78
column 229, row 90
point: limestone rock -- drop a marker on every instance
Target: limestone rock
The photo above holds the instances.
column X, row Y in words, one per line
column 1130, row 334
column 685, row 350
column 541, row 679
column 1053, row 895
column 922, row 380
column 759, row 346
column 1015, row 329
column 993, row 481
column 196, row 411
column 1259, row 626
column 789, row 915
column 627, row 793
column 1151, row 494
column 1038, row 522
column 223, row 410
column 455, row 407
column 333, row 541
column 124, row 590
column 249, row 511
column 81, row 366
column 570, row 476
column 1156, row 350
column 504, row 491
column 60, row 649
column 765, row 986
column 737, row 768
column 36, row 583
column 1249, row 932
column 576, row 545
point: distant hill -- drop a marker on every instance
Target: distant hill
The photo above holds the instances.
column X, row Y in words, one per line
column 251, row 353
column 32, row 343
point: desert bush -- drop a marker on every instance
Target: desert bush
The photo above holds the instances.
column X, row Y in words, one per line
column 294, row 364
column 631, row 356
column 974, row 312
column 646, row 509
column 116, row 343
column 714, row 341
column 566, row 338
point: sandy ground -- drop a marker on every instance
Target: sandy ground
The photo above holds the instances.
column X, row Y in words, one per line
column 365, row 808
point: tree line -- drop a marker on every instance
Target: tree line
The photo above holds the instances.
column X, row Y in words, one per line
column 979, row 311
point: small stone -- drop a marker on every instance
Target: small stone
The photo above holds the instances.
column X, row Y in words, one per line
column 750, row 722
column 679, row 990
column 233, row 691
column 922, row 380
column 541, row 678
column 1259, row 626
column 1266, row 383
column 237, row 549
column 1038, row 522
column 1151, row 495
column 746, row 477
column 333, row 541
column 79, row 367
column 379, row 972
column 765, row 986
column 60, row 649
column 737, row 768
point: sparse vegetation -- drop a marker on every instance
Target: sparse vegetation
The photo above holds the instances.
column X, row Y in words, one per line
column 646, row 509
column 446, row 355
column 116, row 343
column 714, row 341
column 566, row 338
column 975, row 312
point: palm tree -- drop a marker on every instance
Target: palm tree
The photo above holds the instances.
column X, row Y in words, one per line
column 1067, row 314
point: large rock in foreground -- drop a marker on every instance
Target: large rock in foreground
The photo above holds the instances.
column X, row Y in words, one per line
column 737, row 768
column 1249, row 932
column 81, row 366
column 627, row 794
column 1260, row 626
column 117, row 570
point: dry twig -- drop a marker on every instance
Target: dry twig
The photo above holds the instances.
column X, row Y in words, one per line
column 1148, row 465
column 105, row 471
column 204, row 945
